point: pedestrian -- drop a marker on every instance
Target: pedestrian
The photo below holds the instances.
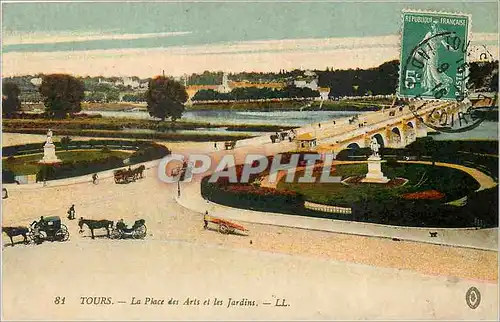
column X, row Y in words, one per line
column 205, row 220
column 71, row 212
column 94, row 178
column 215, row 145
column 319, row 125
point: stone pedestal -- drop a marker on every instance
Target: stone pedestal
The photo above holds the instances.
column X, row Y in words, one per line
column 49, row 154
column 375, row 174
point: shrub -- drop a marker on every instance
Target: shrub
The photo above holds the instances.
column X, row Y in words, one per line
column 77, row 168
column 252, row 197
column 8, row 176
column 147, row 153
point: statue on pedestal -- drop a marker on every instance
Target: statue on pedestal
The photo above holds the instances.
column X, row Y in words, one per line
column 375, row 146
column 49, row 150
column 375, row 174
column 49, row 137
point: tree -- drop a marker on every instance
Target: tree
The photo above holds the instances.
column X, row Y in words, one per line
column 10, row 99
column 62, row 94
column 428, row 147
column 166, row 98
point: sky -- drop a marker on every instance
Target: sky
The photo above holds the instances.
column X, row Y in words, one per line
column 143, row 39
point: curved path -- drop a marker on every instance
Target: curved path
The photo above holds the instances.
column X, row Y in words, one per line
column 485, row 182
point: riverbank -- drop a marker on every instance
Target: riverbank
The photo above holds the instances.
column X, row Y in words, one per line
column 269, row 106
column 362, row 104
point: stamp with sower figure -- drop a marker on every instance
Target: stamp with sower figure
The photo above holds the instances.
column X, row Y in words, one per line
column 434, row 66
column 434, row 56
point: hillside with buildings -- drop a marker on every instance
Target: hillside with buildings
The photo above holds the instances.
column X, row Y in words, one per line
column 249, row 86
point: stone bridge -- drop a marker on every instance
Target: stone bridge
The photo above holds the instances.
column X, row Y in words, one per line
column 392, row 128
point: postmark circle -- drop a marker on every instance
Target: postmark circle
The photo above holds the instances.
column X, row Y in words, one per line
column 451, row 117
column 473, row 297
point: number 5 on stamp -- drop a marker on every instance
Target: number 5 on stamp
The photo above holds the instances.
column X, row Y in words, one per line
column 433, row 55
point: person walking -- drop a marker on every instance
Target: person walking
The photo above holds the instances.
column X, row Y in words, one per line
column 205, row 220
column 71, row 212
column 94, row 178
column 215, row 145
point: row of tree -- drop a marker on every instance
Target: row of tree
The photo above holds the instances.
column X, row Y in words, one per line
column 252, row 93
column 383, row 79
column 63, row 94
column 215, row 78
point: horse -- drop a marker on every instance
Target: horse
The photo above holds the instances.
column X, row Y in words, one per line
column 138, row 172
column 95, row 224
column 16, row 231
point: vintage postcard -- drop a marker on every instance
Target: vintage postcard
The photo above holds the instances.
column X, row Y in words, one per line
column 249, row 160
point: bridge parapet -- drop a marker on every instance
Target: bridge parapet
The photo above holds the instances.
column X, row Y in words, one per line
column 397, row 128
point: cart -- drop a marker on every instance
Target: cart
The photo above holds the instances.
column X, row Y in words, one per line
column 48, row 228
column 224, row 226
column 123, row 176
column 229, row 145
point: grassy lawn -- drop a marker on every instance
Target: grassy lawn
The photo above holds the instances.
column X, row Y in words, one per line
column 28, row 164
column 452, row 182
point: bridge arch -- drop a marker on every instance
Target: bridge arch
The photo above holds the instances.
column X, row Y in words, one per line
column 396, row 137
column 380, row 140
column 410, row 131
column 353, row 145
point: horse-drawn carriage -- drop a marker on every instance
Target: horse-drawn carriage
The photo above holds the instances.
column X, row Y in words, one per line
column 224, row 226
column 119, row 231
column 137, row 231
column 48, row 228
column 123, row 176
column 129, row 175
column 229, row 145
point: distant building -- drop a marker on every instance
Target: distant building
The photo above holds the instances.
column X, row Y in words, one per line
column 224, row 87
column 128, row 81
column 100, row 81
column 305, row 83
column 37, row 81
column 323, row 93
column 310, row 80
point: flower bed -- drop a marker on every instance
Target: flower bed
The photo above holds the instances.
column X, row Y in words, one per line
column 251, row 196
column 428, row 194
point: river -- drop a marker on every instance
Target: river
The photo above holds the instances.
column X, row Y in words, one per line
column 285, row 118
column 486, row 131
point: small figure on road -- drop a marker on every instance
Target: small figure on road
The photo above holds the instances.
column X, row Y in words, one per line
column 71, row 212
column 215, row 145
column 94, row 178
column 205, row 226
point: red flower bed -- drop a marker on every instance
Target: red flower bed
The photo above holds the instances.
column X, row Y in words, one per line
column 259, row 191
column 428, row 194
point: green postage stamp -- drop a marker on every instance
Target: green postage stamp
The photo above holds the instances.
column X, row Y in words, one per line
column 434, row 55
